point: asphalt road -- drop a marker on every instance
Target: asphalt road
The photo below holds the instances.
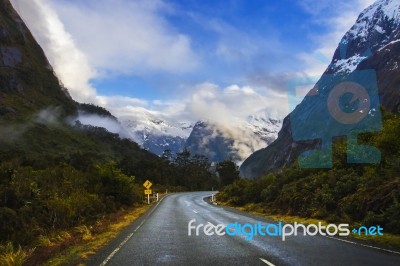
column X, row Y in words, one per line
column 161, row 238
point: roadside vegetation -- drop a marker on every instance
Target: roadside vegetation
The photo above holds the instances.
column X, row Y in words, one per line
column 348, row 193
column 89, row 240
column 59, row 186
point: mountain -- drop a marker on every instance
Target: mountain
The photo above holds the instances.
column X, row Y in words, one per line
column 156, row 133
column 27, row 81
column 38, row 118
column 235, row 141
column 373, row 43
column 59, row 171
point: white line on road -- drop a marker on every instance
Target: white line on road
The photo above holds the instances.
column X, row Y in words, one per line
column 116, row 250
column 139, row 225
column 266, row 262
column 343, row 240
column 128, row 237
column 195, row 211
column 359, row 244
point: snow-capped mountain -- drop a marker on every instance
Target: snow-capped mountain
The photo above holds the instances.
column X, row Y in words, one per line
column 265, row 127
column 372, row 44
column 218, row 142
column 157, row 133
column 235, row 141
column 376, row 28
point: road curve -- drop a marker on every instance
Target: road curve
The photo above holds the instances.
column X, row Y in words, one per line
column 161, row 237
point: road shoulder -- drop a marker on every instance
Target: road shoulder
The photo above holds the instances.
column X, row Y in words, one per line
column 390, row 242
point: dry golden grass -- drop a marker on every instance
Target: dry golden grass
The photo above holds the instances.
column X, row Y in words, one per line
column 12, row 256
column 53, row 239
column 92, row 242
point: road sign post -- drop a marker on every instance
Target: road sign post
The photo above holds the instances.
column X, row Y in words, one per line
column 147, row 184
column 147, row 191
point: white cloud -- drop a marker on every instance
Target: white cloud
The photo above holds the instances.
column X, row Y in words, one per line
column 229, row 108
column 127, row 36
column 225, row 105
column 115, row 37
column 105, row 122
column 70, row 63
column 119, row 102
column 337, row 17
column 132, row 37
column 208, row 101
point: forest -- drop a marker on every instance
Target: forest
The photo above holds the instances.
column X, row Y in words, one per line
column 48, row 190
column 355, row 193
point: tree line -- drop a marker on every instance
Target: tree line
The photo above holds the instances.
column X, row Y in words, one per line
column 43, row 194
column 368, row 194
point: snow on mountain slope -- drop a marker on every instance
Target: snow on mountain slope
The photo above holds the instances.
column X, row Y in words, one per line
column 372, row 43
column 376, row 21
column 235, row 141
column 262, row 125
column 374, row 29
column 157, row 133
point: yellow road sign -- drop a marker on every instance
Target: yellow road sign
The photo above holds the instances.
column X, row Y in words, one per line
column 147, row 192
column 147, row 184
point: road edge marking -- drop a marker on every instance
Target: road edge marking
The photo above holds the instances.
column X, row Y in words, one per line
column 112, row 254
column 267, row 262
column 334, row 238
column 363, row 245
column 116, row 250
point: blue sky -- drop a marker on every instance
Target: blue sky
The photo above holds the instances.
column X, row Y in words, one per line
column 185, row 58
column 234, row 39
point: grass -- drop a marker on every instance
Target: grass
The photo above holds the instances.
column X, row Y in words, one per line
column 12, row 256
column 53, row 239
column 388, row 240
column 92, row 239
column 72, row 247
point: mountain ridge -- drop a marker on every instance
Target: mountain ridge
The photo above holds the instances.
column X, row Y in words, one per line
column 232, row 142
column 358, row 50
column 158, row 133
column 37, row 114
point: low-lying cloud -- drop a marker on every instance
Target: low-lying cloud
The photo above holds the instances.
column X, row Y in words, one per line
column 69, row 62
column 232, row 103
column 108, row 123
